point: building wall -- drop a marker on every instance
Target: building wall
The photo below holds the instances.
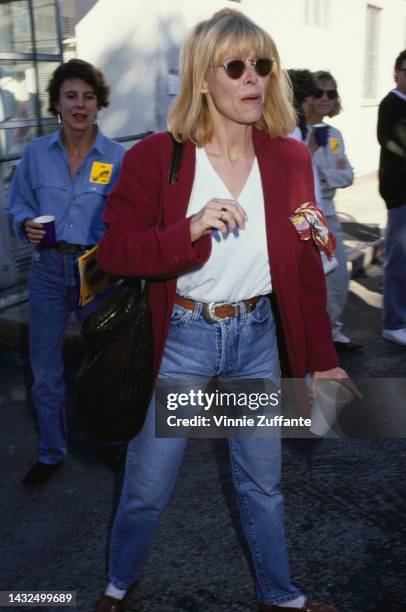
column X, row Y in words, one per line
column 138, row 48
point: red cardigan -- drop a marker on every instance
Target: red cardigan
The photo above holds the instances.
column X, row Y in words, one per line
column 135, row 244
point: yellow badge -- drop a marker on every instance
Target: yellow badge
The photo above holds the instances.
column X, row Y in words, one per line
column 334, row 144
column 101, row 173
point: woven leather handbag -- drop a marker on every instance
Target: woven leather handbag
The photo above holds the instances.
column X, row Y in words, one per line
column 115, row 381
column 114, row 384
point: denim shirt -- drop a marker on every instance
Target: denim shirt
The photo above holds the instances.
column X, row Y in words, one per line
column 42, row 185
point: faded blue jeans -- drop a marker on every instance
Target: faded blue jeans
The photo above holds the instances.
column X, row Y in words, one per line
column 337, row 281
column 54, row 294
column 394, row 275
column 238, row 347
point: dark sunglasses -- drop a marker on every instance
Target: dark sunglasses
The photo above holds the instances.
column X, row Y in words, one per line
column 236, row 68
column 332, row 94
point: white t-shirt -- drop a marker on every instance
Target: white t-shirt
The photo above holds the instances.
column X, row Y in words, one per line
column 238, row 267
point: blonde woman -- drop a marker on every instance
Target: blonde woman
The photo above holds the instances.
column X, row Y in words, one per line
column 215, row 245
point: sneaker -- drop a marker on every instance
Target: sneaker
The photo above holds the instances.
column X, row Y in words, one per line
column 343, row 343
column 339, row 337
column 395, row 335
column 40, row 472
column 348, row 346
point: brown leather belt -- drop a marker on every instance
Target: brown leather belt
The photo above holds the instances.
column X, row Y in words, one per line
column 214, row 312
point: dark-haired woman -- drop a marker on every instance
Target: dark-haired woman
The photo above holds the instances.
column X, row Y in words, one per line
column 303, row 87
column 67, row 174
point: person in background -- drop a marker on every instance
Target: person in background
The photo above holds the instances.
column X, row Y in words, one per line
column 304, row 88
column 68, row 175
column 392, row 187
column 227, row 243
column 334, row 171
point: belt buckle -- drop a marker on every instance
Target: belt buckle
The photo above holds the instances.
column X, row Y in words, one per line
column 209, row 314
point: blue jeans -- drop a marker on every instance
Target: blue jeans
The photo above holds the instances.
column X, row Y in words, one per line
column 337, row 280
column 54, row 294
column 239, row 347
column 394, row 278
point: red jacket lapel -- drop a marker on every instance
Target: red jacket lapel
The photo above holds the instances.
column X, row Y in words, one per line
column 177, row 196
column 273, row 179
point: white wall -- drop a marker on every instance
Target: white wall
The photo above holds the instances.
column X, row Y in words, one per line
column 136, row 43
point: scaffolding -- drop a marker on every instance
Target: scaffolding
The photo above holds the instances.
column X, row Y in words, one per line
column 31, row 47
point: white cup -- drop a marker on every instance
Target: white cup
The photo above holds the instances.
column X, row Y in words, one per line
column 331, row 397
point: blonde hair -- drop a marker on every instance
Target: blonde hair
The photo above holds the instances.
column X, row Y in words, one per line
column 208, row 45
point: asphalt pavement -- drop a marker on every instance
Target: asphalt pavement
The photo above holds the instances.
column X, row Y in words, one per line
column 344, row 498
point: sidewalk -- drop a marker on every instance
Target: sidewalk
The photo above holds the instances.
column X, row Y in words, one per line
column 362, row 213
column 361, row 203
column 344, row 499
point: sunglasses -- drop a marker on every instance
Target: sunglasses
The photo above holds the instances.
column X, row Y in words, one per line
column 236, row 68
column 332, row 94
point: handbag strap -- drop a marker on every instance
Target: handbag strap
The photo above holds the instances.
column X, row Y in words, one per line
column 177, row 149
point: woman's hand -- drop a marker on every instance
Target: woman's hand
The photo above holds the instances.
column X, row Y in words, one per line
column 33, row 231
column 330, row 374
column 217, row 214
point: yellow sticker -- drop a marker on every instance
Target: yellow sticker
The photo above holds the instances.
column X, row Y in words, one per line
column 101, row 173
column 334, row 144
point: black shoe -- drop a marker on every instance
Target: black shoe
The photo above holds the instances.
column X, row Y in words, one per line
column 109, row 604
column 40, row 472
column 348, row 346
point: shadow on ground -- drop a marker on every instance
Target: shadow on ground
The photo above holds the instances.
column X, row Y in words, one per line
column 345, row 501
